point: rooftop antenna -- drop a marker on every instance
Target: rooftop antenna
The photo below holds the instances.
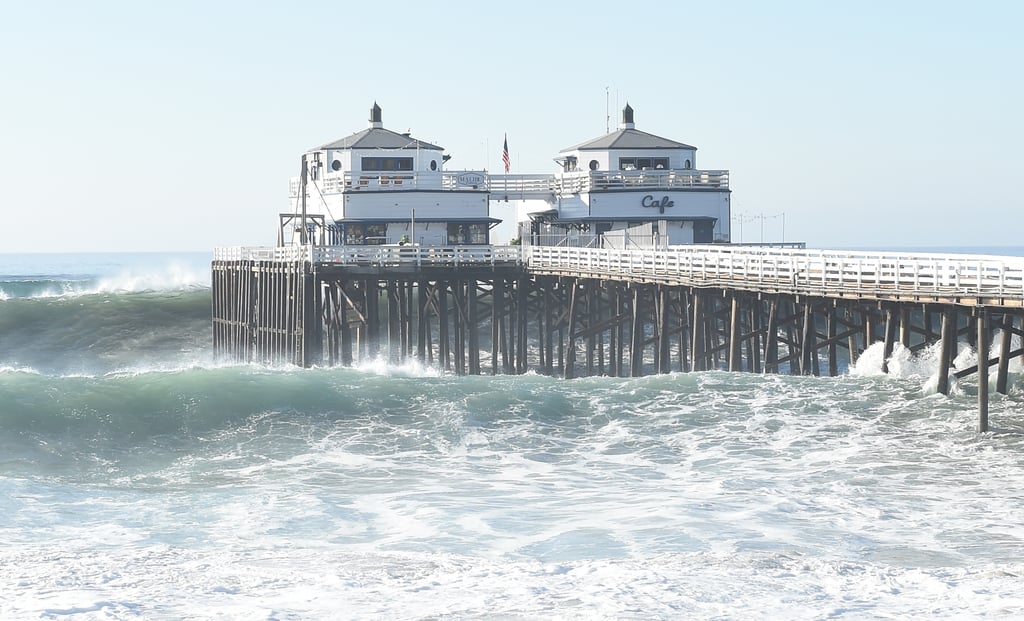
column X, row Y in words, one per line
column 607, row 113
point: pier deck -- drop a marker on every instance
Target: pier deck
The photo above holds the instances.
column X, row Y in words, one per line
column 571, row 311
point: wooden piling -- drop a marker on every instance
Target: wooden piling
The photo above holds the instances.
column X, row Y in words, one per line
column 290, row 311
column 982, row 349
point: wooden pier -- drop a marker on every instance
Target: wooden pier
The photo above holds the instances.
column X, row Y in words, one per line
column 578, row 311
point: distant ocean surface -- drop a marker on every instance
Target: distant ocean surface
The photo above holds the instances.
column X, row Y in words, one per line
column 140, row 478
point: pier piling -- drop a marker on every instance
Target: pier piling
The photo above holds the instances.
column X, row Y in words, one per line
column 579, row 320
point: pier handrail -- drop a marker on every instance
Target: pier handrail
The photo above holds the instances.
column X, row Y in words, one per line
column 882, row 275
column 819, row 272
column 262, row 253
column 390, row 255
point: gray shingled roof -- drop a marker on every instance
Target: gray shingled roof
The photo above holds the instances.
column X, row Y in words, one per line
column 378, row 138
column 628, row 139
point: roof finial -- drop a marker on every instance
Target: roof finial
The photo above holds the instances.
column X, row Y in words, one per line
column 375, row 116
column 627, row 117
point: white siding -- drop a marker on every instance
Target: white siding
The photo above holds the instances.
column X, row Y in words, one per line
column 398, row 205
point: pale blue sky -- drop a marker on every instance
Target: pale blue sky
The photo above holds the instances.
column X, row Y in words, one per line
column 133, row 126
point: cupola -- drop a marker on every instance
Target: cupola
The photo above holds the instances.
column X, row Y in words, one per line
column 627, row 118
column 375, row 117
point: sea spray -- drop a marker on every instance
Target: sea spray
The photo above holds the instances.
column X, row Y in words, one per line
column 141, row 478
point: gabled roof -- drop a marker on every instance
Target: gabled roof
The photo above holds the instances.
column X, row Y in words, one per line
column 628, row 138
column 378, row 138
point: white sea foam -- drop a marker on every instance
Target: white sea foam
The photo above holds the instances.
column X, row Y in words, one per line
column 681, row 496
column 18, row 369
column 408, row 368
column 173, row 276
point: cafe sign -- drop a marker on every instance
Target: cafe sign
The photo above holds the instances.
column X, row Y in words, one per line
column 659, row 204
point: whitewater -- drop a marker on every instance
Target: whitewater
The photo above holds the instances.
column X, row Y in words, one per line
column 140, row 478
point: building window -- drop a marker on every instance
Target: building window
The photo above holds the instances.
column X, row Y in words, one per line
column 336, row 165
column 353, row 234
column 593, row 164
column 467, row 233
column 642, row 163
column 387, row 163
column 687, row 165
column 358, row 234
column 376, row 234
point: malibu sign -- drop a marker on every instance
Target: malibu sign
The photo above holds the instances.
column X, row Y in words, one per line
column 469, row 178
column 649, row 201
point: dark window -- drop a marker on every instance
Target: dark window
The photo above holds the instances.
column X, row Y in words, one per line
column 593, row 164
column 703, row 232
column 353, row 233
column 640, row 163
column 376, row 234
column 365, row 234
column 467, row 233
column 336, row 165
column 387, row 163
column 687, row 165
column 433, row 164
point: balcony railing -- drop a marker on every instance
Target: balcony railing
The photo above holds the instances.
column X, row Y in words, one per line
column 599, row 181
column 515, row 187
column 396, row 180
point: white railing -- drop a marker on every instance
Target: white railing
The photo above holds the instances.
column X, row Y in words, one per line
column 521, row 186
column 820, row 272
column 599, row 181
column 262, row 253
column 389, row 255
column 417, row 255
column 393, row 180
column 813, row 272
column 516, row 186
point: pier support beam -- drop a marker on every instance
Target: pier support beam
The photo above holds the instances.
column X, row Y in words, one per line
column 890, row 337
column 982, row 349
column 1005, row 340
column 735, row 361
column 636, row 339
column 947, row 345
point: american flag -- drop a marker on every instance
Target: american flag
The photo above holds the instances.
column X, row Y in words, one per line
column 504, row 154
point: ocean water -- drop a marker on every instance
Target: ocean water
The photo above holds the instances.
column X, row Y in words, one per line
column 142, row 479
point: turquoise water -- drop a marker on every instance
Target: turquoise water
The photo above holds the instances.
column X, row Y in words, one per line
column 141, row 478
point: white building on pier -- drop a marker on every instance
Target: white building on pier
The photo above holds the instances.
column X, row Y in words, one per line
column 630, row 187
column 378, row 186
column 626, row 188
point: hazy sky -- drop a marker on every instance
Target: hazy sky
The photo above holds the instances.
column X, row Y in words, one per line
column 143, row 125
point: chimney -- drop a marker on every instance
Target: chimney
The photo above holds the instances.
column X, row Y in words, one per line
column 375, row 116
column 627, row 118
